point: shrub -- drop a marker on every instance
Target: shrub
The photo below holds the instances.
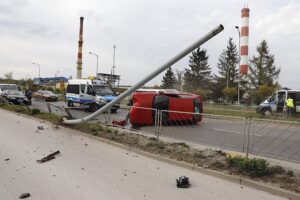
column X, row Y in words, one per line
column 249, row 166
column 290, row 173
column 35, row 111
column 94, row 127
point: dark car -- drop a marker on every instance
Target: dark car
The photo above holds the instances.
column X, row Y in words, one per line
column 16, row 97
column 45, row 95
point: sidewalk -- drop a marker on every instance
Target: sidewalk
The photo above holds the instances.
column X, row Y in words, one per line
column 90, row 169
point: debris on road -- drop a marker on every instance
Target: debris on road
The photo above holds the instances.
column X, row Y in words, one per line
column 24, row 196
column 7, row 159
column 183, row 182
column 40, row 128
column 121, row 123
column 49, row 157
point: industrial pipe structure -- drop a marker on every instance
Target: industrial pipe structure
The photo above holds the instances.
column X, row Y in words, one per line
column 185, row 52
column 79, row 55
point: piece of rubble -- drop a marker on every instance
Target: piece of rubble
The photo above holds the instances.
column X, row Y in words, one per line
column 24, row 196
column 49, row 157
column 183, row 182
column 40, row 128
column 7, row 159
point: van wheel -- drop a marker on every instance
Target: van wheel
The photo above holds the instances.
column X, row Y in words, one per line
column 266, row 112
column 70, row 104
column 113, row 110
column 93, row 107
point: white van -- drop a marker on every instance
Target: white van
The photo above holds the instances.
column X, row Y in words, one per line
column 94, row 93
column 276, row 103
column 4, row 86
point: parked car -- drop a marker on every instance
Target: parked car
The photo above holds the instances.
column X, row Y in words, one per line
column 16, row 97
column 4, row 86
column 177, row 107
column 45, row 95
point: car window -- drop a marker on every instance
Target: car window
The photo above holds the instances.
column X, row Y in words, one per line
column 82, row 88
column 73, row 89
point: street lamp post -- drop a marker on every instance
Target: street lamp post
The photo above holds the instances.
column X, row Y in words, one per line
column 39, row 72
column 97, row 62
column 237, row 28
column 56, row 73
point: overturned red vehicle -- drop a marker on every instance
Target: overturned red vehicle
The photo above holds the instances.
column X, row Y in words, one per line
column 175, row 107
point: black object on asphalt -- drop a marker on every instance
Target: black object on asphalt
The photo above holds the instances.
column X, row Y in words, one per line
column 183, row 182
column 49, row 157
column 24, row 196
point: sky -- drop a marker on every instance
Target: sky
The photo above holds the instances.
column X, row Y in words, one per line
column 147, row 34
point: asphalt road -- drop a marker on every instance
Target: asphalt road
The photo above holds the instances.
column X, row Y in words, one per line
column 265, row 138
column 89, row 169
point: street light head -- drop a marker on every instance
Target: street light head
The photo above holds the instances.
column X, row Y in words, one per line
column 237, row 27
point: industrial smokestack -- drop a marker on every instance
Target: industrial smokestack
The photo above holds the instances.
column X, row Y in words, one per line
column 244, row 41
column 79, row 55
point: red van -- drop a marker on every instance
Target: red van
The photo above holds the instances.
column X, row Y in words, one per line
column 179, row 107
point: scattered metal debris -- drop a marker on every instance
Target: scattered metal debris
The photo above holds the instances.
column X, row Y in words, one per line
column 24, row 196
column 49, row 157
column 183, row 182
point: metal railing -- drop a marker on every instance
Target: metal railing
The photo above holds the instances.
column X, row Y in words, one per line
column 271, row 138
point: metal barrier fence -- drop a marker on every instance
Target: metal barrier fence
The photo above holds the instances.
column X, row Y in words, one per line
column 272, row 138
column 275, row 138
column 214, row 130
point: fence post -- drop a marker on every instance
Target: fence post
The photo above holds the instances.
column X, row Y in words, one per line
column 253, row 135
column 244, row 133
column 49, row 107
column 155, row 122
column 159, row 123
column 248, row 137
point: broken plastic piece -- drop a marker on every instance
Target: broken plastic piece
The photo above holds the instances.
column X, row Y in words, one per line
column 183, row 182
column 49, row 157
column 24, row 196
column 119, row 123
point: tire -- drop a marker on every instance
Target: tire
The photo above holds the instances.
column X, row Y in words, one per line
column 70, row 104
column 113, row 110
column 266, row 112
column 93, row 107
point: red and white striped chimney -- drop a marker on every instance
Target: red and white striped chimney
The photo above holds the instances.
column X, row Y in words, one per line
column 244, row 41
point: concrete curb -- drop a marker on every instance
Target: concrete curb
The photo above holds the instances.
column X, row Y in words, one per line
column 232, row 178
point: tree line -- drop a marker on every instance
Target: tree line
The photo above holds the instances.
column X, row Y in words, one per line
column 260, row 81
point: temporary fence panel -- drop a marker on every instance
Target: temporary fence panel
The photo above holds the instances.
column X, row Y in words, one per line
column 213, row 130
column 275, row 138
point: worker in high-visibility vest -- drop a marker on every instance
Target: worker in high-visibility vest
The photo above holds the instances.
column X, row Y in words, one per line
column 290, row 106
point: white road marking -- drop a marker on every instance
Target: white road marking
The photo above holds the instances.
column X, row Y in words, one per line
column 237, row 132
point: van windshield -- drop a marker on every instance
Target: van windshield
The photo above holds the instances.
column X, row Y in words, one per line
column 103, row 90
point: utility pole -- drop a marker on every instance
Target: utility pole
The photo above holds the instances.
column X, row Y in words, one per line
column 113, row 67
column 97, row 63
column 39, row 73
